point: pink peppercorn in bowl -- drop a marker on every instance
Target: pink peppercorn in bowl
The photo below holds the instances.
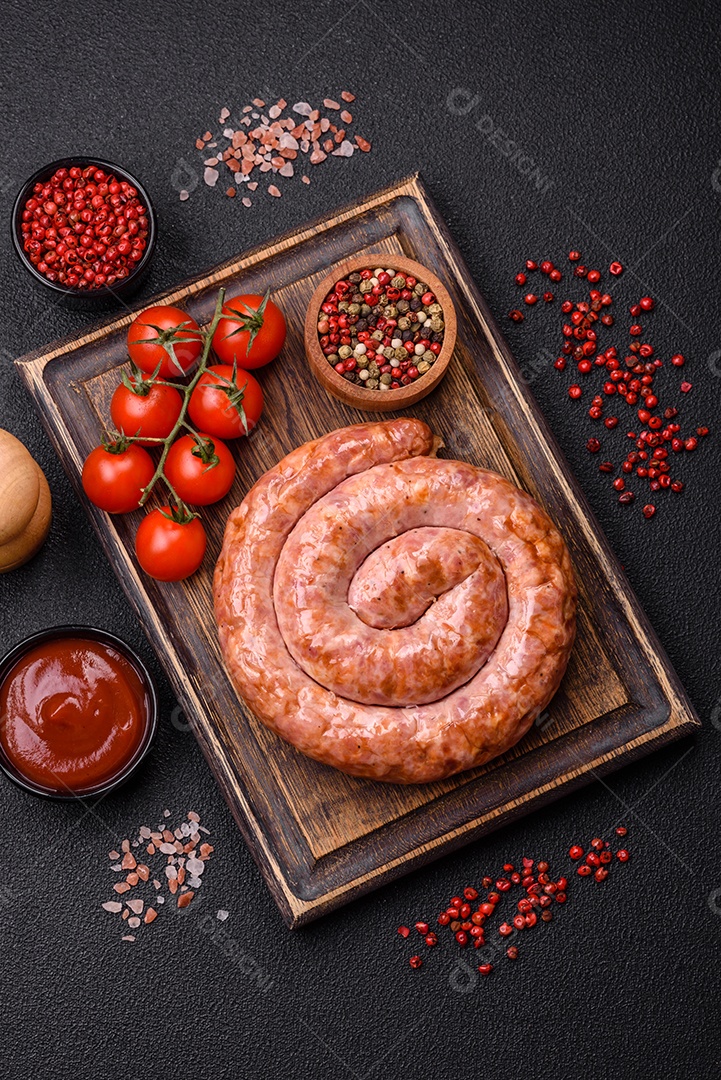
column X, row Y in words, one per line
column 85, row 228
column 427, row 372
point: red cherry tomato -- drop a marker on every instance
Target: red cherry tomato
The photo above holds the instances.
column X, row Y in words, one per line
column 200, row 473
column 168, row 549
column 145, row 408
column 222, row 407
column 166, row 336
column 114, row 478
column 252, row 332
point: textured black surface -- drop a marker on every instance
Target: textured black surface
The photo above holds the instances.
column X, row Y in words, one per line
column 618, row 107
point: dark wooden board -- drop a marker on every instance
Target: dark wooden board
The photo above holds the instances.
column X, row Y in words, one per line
column 322, row 838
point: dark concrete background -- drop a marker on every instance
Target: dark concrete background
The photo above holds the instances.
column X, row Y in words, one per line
column 618, row 106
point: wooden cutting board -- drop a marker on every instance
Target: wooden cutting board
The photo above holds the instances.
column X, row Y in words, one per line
column 322, row 838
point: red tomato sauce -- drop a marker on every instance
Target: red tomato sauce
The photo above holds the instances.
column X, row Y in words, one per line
column 74, row 712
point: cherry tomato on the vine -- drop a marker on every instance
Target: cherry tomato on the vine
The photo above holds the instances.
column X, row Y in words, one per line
column 223, row 406
column 165, row 338
column 145, row 408
column 200, row 469
column 170, row 545
column 251, row 333
column 114, row 476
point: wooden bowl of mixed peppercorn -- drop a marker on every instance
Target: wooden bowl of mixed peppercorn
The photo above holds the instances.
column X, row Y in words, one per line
column 380, row 332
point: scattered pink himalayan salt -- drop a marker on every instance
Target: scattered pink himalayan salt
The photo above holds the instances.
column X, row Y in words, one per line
column 182, row 858
column 269, row 139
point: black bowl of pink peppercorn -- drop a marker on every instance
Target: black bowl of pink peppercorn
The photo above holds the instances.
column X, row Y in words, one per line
column 84, row 228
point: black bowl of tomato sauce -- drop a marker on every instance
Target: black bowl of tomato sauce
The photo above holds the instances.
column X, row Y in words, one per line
column 85, row 228
column 78, row 712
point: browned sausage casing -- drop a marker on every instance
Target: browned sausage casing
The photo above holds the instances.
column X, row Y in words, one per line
column 395, row 615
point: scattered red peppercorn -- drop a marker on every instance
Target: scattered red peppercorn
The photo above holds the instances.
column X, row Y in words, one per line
column 416, row 962
column 576, row 852
column 431, row 939
column 622, row 855
column 403, row 931
column 632, row 385
column 531, row 299
column 548, row 297
column 584, row 870
column 621, row 830
column 531, row 265
column 515, row 315
column 422, row 928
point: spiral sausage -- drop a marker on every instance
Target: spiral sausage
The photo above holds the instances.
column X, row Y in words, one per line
column 395, row 615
